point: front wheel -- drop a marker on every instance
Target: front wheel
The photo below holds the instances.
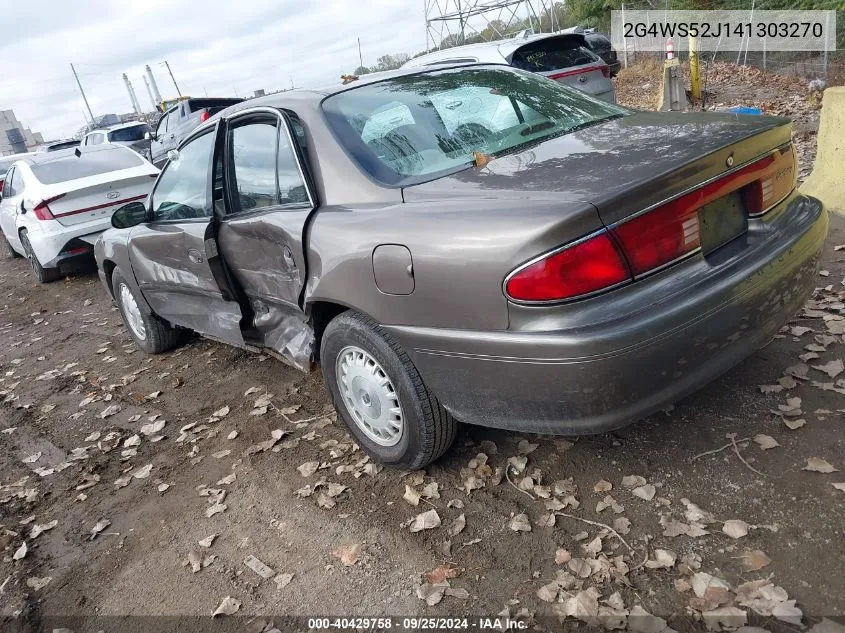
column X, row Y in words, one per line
column 151, row 333
column 42, row 275
column 380, row 395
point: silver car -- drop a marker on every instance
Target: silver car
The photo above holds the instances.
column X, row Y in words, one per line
column 565, row 57
column 133, row 135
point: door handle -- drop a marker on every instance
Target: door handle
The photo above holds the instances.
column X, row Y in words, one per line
column 195, row 256
column 22, row 207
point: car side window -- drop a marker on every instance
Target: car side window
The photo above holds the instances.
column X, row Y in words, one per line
column 9, row 185
column 96, row 139
column 291, row 186
column 182, row 191
column 161, row 128
column 253, row 156
column 17, row 183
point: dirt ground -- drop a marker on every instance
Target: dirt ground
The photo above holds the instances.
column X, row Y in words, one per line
column 160, row 453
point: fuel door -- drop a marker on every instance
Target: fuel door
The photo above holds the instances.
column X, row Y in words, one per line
column 393, row 269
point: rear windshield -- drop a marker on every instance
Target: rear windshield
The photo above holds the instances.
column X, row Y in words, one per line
column 413, row 128
column 63, row 145
column 551, row 54
column 213, row 105
column 134, row 133
column 90, row 163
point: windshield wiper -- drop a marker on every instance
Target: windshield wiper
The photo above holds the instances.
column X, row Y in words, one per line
column 591, row 123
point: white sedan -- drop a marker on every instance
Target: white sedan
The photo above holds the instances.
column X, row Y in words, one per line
column 56, row 204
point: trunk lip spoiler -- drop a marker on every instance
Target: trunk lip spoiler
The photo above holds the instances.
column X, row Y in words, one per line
column 99, row 206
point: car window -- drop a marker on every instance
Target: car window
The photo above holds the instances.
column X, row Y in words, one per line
column 17, row 183
column 182, row 189
column 161, row 128
column 134, row 133
column 8, row 186
column 292, row 189
column 96, row 139
column 551, row 54
column 253, row 156
column 91, row 162
column 429, row 124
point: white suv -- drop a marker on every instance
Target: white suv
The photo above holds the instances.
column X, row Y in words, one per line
column 133, row 134
column 56, row 204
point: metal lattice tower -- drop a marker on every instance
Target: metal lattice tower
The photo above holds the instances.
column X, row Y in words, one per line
column 459, row 20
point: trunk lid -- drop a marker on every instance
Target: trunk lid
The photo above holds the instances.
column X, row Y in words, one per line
column 90, row 199
column 621, row 166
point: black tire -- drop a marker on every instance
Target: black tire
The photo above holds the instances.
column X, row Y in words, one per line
column 42, row 275
column 427, row 430
column 7, row 249
column 160, row 335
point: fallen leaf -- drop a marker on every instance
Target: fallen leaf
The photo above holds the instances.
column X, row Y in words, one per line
column 39, row 529
column 524, row 447
column 348, row 554
column 32, row 458
column 583, row 606
column 101, row 525
column 431, row 491
column 221, row 413
column 548, row 592
column 411, row 496
column 622, row 525
column 282, row 580
column 458, row 525
column 735, row 528
column 663, row 559
column 153, row 427
column 641, row 621
column 36, row 583
column 562, row 556
column 426, row 521
column 818, row 465
column 457, row 592
column 753, row 560
column 603, row 486
column 839, row 486
column 441, row 573
column 726, row 618
column 432, row 594
column 520, row 523
column 646, row 492
column 593, row 548
column 20, row 552
column 766, row 441
column 229, row 606
column 215, row 508
column 633, row 481
column 143, row 472
column 207, row 541
column 110, row 411
column 308, row 468
column 833, row 368
column 794, row 424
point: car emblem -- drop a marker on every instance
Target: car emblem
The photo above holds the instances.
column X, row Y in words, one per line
column 111, row 195
column 582, row 79
column 730, row 161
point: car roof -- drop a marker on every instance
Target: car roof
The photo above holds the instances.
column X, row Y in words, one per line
column 46, row 157
column 119, row 126
column 493, row 51
column 13, row 158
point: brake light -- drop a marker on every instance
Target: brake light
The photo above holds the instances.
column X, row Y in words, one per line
column 2, row 182
column 605, row 70
column 582, row 268
column 777, row 180
column 42, row 210
column 204, row 116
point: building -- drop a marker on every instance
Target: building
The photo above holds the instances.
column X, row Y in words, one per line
column 14, row 137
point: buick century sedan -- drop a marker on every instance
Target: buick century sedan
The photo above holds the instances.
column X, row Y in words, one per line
column 472, row 243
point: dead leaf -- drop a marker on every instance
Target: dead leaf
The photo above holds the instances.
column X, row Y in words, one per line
column 441, row 573
column 101, row 525
column 735, row 528
column 583, row 606
column 794, row 424
column 431, row 491
column 593, row 548
column 663, row 559
column 646, row 492
column 520, row 523
column 229, row 606
column 282, row 580
column 457, row 592
column 603, row 486
column 20, row 552
column 832, row 368
column 348, row 554
column 766, row 441
column 426, row 521
column 524, row 447
column 143, row 472
column 839, row 486
column 325, row 501
column 818, row 465
column 39, row 529
column 753, row 560
column 36, row 584
column 562, row 556
column 215, row 508
column 207, row 541
column 458, row 525
column 641, row 621
column 221, row 413
column 633, row 481
column 110, row 411
column 308, row 468
column 432, row 594
column 548, row 593
column 622, row 525
column 726, row 618
column 153, row 427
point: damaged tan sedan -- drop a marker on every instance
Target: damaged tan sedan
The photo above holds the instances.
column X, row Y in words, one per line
column 472, row 243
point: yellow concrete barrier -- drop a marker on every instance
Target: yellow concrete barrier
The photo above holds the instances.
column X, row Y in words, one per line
column 827, row 181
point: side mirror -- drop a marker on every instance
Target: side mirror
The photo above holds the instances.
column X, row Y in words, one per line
column 129, row 215
column 149, row 136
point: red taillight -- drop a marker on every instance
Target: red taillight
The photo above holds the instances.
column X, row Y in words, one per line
column 204, row 116
column 585, row 267
column 605, row 70
column 777, row 178
column 42, row 211
column 2, row 182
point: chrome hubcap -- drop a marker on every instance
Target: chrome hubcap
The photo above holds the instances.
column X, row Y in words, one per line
column 132, row 312
column 369, row 396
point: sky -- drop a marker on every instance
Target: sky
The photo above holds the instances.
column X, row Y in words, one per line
column 218, row 47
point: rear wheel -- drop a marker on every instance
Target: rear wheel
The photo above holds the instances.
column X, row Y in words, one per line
column 380, row 395
column 151, row 333
column 42, row 275
column 7, row 249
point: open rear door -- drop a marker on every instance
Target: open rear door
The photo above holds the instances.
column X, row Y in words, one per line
column 174, row 256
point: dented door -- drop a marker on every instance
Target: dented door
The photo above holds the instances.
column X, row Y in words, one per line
column 174, row 256
column 268, row 202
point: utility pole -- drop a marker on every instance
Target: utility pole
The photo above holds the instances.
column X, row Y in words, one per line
column 361, row 57
column 84, row 98
column 179, row 92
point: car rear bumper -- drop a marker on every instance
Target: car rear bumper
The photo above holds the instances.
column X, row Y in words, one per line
column 51, row 247
column 599, row 364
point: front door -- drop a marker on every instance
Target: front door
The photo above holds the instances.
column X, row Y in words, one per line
column 174, row 255
column 267, row 205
